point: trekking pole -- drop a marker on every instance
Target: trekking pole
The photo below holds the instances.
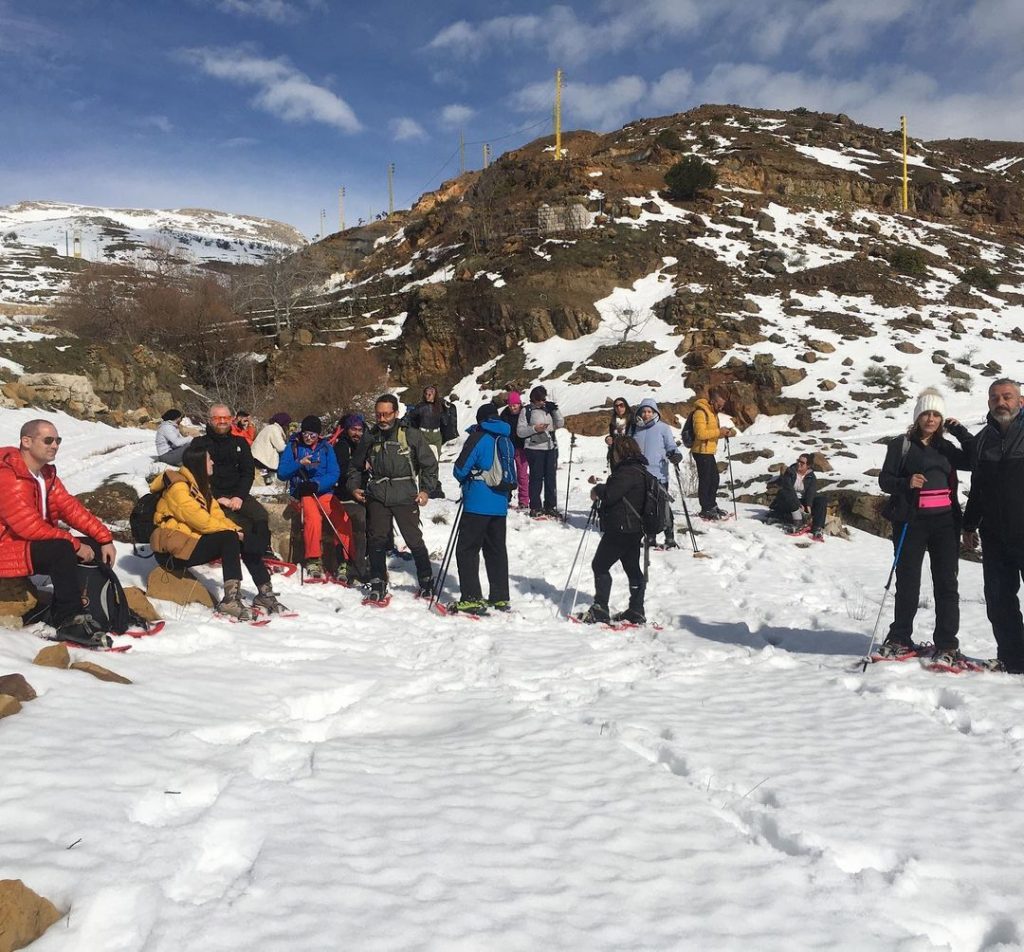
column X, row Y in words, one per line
column 885, row 595
column 732, row 482
column 686, row 512
column 572, row 568
column 446, row 560
column 583, row 562
column 568, row 481
column 334, row 528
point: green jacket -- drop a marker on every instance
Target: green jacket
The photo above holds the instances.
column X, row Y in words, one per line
column 401, row 463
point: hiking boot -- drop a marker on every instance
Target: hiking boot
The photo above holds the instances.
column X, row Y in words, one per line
column 552, row 511
column 596, row 615
column 818, row 535
column 471, row 606
column 267, row 601
column 895, row 651
column 231, row 604
column 670, row 544
column 500, row 606
column 83, row 630
column 722, row 514
column 800, row 530
column 376, row 590
column 313, row 568
column 1005, row 667
column 632, row 616
column 536, row 513
column 949, row 658
column 426, row 583
column 710, row 515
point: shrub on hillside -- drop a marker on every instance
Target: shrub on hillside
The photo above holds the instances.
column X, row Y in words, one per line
column 980, row 277
column 908, row 261
column 887, row 377
column 669, row 139
column 689, row 177
column 330, row 380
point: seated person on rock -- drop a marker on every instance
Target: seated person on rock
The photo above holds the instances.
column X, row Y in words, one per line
column 33, row 501
column 170, row 441
column 797, row 506
column 311, row 468
column 192, row 529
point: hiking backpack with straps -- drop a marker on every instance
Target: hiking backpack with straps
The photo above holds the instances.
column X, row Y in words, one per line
column 688, row 434
column 656, row 513
column 501, row 474
column 142, row 519
column 103, row 598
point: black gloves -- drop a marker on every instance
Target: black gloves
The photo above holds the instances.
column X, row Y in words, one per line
column 675, row 458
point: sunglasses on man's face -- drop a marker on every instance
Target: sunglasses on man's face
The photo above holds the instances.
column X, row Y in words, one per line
column 50, row 440
column 221, row 419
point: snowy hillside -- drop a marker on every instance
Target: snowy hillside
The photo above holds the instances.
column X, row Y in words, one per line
column 38, row 253
column 390, row 780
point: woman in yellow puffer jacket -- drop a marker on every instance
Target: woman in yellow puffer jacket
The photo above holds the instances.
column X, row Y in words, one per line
column 190, row 527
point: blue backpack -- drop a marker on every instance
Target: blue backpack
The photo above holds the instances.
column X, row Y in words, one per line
column 501, row 474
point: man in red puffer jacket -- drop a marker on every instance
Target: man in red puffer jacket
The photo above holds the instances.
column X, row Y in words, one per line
column 33, row 501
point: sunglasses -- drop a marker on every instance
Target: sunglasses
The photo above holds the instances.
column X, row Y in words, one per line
column 221, row 419
column 620, row 406
column 50, row 440
column 308, row 433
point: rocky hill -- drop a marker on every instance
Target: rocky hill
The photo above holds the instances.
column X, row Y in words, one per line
column 38, row 252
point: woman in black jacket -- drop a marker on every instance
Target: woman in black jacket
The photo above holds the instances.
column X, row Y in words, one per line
column 621, row 422
column 622, row 502
column 919, row 473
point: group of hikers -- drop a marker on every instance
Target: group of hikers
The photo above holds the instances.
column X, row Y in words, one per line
column 363, row 478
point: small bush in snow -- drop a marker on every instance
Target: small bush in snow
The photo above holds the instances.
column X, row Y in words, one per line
column 908, row 261
column 888, row 377
column 690, row 176
column 980, row 277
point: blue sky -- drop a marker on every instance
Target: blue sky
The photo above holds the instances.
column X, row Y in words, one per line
column 268, row 106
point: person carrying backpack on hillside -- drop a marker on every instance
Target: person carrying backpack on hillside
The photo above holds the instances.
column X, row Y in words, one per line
column 33, row 503
column 310, row 467
column 510, row 415
column 191, row 528
column 402, row 474
column 537, row 425
column 919, row 473
column 269, row 444
column 622, row 532
column 484, row 514
column 706, row 434
column 797, row 504
column 657, row 445
column 621, row 422
column 436, row 419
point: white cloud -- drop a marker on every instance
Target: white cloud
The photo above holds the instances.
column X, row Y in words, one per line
column 160, row 123
column 456, row 115
column 670, row 92
column 404, row 129
column 587, row 105
column 566, row 37
column 276, row 11
column 283, row 90
column 993, row 22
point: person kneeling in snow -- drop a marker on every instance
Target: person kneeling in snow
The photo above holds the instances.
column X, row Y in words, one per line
column 32, row 502
column 311, row 468
column 797, row 506
column 622, row 501
column 484, row 516
column 191, row 528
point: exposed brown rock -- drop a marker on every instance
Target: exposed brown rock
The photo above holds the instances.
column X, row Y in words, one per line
column 53, row 656
column 139, row 604
column 179, row 586
column 98, row 671
column 8, row 706
column 17, row 598
column 24, row 915
column 16, row 686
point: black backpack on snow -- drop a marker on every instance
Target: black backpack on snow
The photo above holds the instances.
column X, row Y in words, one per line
column 103, row 598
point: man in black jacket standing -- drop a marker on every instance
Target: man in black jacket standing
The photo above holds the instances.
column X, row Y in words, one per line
column 350, row 449
column 231, row 483
column 401, row 474
column 996, row 507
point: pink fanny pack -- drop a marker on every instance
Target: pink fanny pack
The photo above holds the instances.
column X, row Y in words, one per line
column 934, row 499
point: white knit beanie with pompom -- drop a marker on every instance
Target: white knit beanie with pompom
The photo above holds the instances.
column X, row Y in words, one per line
column 930, row 399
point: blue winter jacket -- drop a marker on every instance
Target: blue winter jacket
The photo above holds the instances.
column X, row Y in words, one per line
column 324, row 470
column 476, row 456
column 656, row 441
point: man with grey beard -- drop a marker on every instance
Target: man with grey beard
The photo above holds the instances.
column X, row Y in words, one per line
column 996, row 508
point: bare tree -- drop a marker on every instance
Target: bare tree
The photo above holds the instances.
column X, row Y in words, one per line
column 627, row 321
column 278, row 289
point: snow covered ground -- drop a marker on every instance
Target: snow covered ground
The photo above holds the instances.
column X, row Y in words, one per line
column 389, row 780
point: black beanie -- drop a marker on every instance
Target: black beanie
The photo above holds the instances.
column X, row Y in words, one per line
column 171, row 415
column 487, row 412
column 311, row 424
column 538, row 393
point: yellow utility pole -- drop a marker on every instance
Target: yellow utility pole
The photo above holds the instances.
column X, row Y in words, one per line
column 903, row 127
column 558, row 114
column 391, row 189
